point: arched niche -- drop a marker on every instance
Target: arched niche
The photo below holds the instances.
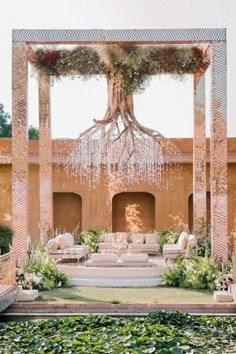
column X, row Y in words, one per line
column 133, row 212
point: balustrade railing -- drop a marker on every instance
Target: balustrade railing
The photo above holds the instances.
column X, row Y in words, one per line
column 7, row 271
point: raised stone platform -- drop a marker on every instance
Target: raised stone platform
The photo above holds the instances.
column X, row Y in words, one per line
column 115, row 276
column 74, row 309
column 7, row 296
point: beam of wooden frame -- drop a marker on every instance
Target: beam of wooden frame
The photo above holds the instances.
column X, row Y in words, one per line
column 180, row 35
column 20, row 179
column 218, row 153
column 45, row 159
column 199, row 160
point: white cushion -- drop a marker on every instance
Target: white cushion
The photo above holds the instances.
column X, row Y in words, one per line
column 192, row 241
column 109, row 238
column 62, row 242
column 137, row 238
column 183, row 240
column 122, row 237
column 69, row 239
column 151, row 239
column 53, row 245
column 173, row 249
column 101, row 257
column 144, row 246
column 138, row 257
column 113, row 245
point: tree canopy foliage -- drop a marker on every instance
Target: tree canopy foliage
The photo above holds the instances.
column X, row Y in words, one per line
column 6, row 126
column 133, row 64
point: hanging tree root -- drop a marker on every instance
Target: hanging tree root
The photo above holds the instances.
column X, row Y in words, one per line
column 120, row 107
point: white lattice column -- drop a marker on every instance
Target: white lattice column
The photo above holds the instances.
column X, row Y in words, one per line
column 219, row 208
column 45, row 159
column 20, row 151
column 199, row 159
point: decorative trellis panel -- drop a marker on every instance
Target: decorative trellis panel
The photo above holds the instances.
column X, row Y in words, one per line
column 19, row 152
column 45, row 159
column 219, row 208
column 199, row 159
column 216, row 36
column 169, row 35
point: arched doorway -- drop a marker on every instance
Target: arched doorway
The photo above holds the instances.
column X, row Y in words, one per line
column 190, row 210
column 133, row 212
column 67, row 212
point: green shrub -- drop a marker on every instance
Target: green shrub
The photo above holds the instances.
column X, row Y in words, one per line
column 6, row 234
column 166, row 237
column 90, row 237
column 196, row 273
column 204, row 246
column 40, row 272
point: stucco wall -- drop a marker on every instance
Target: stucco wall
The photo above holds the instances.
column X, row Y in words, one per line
column 171, row 202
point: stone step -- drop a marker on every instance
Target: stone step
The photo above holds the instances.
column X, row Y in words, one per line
column 108, row 272
column 116, row 282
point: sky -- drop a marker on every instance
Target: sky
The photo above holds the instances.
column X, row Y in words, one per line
column 166, row 105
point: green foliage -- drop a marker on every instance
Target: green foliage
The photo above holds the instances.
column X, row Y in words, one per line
column 204, row 246
column 90, row 237
column 6, row 234
column 133, row 65
column 6, row 126
column 160, row 332
column 5, row 123
column 33, row 133
column 196, row 273
column 40, row 272
column 166, row 237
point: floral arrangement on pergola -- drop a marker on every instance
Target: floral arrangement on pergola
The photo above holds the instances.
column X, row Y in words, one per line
column 118, row 141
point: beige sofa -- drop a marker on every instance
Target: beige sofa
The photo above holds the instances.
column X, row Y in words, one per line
column 181, row 248
column 134, row 243
column 112, row 260
column 62, row 247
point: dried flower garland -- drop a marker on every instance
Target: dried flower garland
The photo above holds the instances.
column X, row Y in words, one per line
column 133, row 64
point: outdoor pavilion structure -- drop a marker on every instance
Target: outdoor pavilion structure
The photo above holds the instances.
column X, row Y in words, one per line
column 214, row 39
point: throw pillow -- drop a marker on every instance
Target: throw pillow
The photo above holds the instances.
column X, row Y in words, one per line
column 137, row 238
column 183, row 240
column 52, row 245
column 62, row 242
column 121, row 237
column 69, row 239
column 151, row 239
column 192, row 241
column 109, row 238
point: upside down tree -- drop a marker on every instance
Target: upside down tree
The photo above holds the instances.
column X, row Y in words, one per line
column 117, row 140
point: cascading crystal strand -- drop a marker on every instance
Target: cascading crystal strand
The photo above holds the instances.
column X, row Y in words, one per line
column 136, row 158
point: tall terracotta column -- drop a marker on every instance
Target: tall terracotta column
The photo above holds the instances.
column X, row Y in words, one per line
column 45, row 159
column 199, row 159
column 20, row 151
column 218, row 163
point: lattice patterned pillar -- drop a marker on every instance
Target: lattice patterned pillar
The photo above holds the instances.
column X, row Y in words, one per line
column 199, row 159
column 219, row 212
column 20, row 151
column 45, row 159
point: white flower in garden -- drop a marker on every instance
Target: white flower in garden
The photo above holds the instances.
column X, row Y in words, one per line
column 37, row 279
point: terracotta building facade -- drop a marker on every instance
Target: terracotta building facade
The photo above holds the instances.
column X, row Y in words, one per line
column 111, row 204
